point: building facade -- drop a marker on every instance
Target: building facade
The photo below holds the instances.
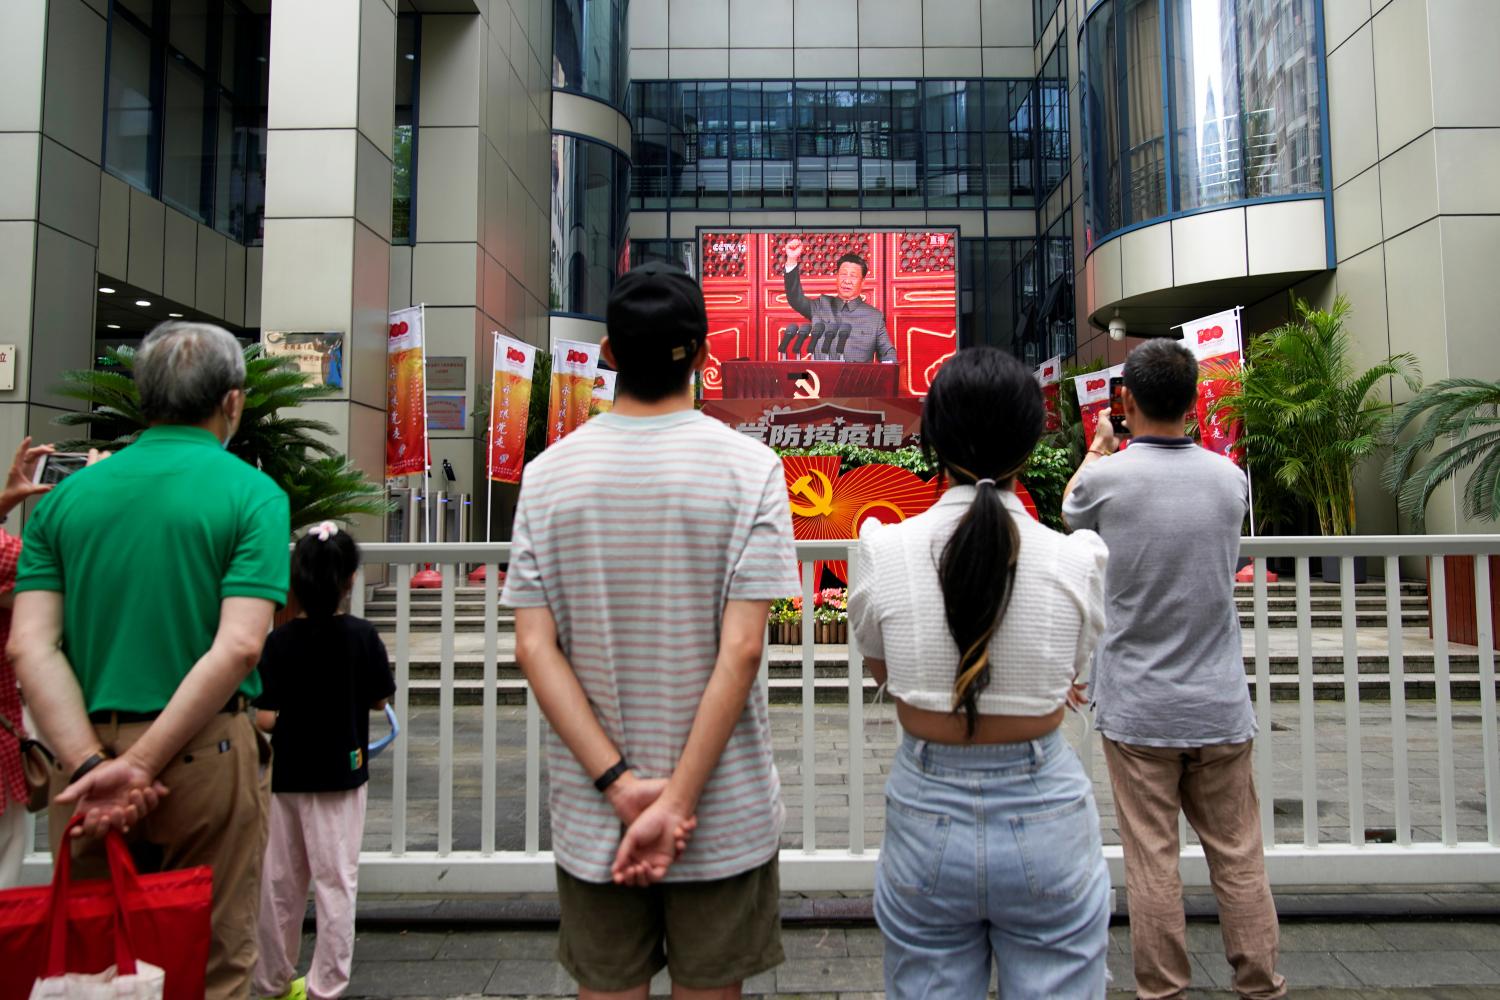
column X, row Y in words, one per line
column 309, row 165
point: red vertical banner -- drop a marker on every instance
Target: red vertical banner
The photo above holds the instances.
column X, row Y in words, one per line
column 406, row 395
column 574, row 365
column 1216, row 342
column 1093, row 398
column 510, row 404
column 1049, row 377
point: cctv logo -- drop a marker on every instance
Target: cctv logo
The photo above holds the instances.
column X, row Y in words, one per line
column 1094, row 385
column 577, row 358
column 511, row 354
column 1212, row 333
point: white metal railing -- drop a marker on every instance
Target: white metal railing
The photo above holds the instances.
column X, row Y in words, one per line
column 831, row 858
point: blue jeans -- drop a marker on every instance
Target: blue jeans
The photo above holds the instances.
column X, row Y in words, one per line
column 992, row 850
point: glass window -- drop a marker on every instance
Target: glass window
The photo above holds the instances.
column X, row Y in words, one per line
column 404, row 141
column 186, row 107
column 188, row 29
column 129, row 121
column 589, row 215
column 184, row 128
column 1244, row 79
column 589, row 44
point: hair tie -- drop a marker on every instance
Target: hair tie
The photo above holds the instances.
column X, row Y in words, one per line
column 983, row 482
column 326, row 530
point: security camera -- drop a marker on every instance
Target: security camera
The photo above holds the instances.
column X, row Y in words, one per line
column 1117, row 327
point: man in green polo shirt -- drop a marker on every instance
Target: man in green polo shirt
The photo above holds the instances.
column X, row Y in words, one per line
column 146, row 587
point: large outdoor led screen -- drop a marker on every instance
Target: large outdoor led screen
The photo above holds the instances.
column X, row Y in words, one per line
column 820, row 314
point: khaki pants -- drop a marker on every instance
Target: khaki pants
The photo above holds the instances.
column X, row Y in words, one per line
column 1215, row 787
column 215, row 815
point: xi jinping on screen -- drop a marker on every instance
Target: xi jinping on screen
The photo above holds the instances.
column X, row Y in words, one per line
column 867, row 337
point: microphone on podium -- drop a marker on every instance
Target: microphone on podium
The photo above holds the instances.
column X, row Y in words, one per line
column 787, row 333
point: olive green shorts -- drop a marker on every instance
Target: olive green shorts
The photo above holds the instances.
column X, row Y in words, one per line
column 708, row 934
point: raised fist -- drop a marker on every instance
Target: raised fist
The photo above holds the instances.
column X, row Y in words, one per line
column 793, row 252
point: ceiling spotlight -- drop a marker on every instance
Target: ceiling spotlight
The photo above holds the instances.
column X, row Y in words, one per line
column 106, row 290
column 143, row 303
column 411, row 56
column 175, row 315
column 112, row 326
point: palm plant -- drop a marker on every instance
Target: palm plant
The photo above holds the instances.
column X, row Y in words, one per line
column 321, row 484
column 1466, row 413
column 1309, row 417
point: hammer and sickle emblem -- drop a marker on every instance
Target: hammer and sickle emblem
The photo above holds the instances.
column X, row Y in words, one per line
column 808, row 386
column 818, row 504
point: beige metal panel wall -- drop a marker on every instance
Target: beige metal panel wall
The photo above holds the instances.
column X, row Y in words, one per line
column 51, row 79
column 326, row 262
column 1415, row 135
column 822, row 39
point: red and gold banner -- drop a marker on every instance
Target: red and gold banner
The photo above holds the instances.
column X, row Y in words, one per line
column 863, row 421
column 1049, row 377
column 827, row 506
column 406, row 395
column 1215, row 341
column 1093, row 398
column 574, row 365
column 510, row 403
column 604, row 391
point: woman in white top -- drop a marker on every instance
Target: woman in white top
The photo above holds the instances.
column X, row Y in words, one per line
column 980, row 622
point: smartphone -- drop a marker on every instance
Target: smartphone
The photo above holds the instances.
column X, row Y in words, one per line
column 54, row 468
column 1117, row 406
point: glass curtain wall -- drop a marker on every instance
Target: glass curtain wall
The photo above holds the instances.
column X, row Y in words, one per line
column 404, row 145
column 826, row 144
column 589, row 218
column 185, row 108
column 589, row 46
column 1243, row 81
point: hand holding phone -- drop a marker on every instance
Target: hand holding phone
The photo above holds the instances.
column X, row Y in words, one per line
column 1117, row 406
column 53, row 468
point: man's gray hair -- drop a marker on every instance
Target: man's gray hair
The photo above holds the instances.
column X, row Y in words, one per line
column 183, row 371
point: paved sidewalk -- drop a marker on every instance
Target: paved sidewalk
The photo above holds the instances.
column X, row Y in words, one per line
column 1433, row 960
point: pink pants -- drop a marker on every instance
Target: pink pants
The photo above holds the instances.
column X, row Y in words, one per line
column 314, row 835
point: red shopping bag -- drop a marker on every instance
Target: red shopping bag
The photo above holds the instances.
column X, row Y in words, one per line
column 76, row 926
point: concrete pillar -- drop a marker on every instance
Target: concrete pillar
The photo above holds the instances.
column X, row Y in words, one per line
column 328, row 199
column 478, row 261
column 51, row 120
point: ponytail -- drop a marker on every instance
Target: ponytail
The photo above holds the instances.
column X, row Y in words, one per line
column 976, row 571
column 982, row 418
column 322, row 563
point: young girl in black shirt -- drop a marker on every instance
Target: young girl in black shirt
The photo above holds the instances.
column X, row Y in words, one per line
column 323, row 673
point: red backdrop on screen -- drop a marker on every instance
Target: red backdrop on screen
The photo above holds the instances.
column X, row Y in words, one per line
column 912, row 281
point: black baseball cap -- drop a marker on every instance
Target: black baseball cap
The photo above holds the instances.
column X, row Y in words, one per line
column 656, row 314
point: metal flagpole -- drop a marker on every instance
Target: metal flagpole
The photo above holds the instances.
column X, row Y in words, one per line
column 489, row 460
column 1239, row 329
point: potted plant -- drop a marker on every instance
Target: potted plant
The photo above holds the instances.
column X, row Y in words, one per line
column 1464, row 414
column 1310, row 417
column 320, row 483
column 831, row 616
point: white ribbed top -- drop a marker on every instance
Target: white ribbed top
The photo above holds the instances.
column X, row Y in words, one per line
column 1048, row 635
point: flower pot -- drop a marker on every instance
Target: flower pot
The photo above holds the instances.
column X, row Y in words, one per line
column 1458, row 585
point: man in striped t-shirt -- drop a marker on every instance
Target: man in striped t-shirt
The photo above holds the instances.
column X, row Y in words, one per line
column 647, row 547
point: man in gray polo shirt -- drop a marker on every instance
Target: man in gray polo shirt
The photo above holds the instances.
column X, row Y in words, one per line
column 1169, row 693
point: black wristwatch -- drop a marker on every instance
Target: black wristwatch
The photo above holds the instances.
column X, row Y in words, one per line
column 92, row 761
column 612, row 775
